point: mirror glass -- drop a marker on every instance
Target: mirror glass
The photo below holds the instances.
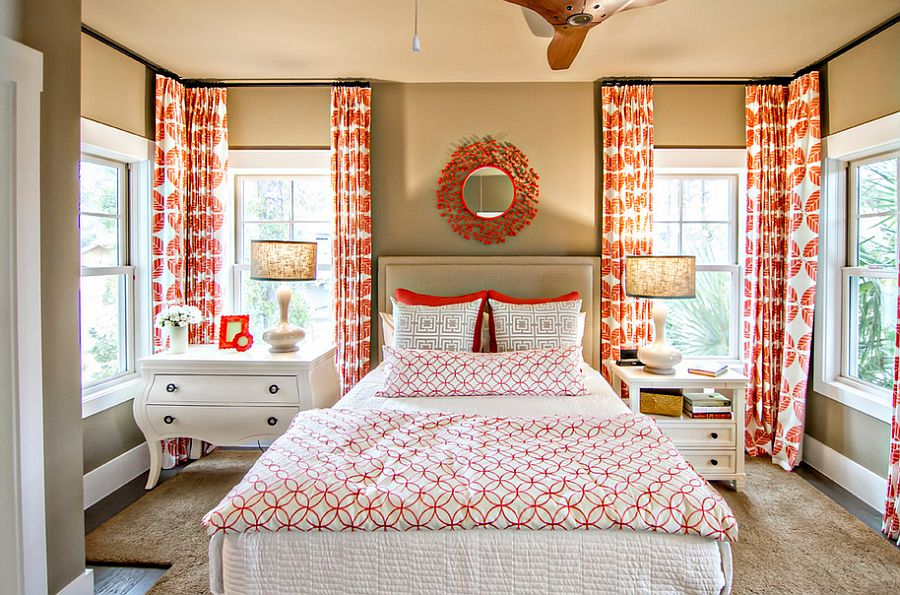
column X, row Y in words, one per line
column 488, row 192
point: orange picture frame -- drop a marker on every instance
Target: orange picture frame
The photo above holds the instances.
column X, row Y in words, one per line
column 234, row 332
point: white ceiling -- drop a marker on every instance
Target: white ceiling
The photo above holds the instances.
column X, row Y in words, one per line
column 476, row 40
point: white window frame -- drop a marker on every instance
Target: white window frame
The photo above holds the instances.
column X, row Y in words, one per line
column 102, row 142
column 716, row 163
column 830, row 353
column 269, row 164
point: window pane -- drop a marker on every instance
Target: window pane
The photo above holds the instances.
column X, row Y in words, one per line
column 878, row 240
column 665, row 199
column 707, row 199
column 873, row 320
column 99, row 188
column 264, row 231
column 877, row 187
column 102, row 328
column 665, row 238
column 313, row 199
column 266, row 200
column 709, row 242
column 321, row 233
column 310, row 306
column 702, row 326
column 99, row 241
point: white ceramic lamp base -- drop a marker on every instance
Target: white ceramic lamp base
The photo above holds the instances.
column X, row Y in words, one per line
column 284, row 336
column 659, row 357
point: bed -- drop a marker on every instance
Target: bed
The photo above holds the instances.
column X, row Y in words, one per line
column 245, row 559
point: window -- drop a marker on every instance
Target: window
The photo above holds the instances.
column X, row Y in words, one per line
column 107, row 277
column 697, row 215
column 285, row 207
column 869, row 279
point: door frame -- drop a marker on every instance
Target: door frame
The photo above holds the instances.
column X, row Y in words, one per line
column 22, row 69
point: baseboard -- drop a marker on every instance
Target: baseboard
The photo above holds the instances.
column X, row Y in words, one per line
column 109, row 477
column 869, row 487
column 83, row 585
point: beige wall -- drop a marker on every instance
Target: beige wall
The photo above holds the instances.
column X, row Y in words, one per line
column 59, row 40
column 414, row 130
column 285, row 117
column 698, row 116
column 109, row 434
column 864, row 83
column 115, row 89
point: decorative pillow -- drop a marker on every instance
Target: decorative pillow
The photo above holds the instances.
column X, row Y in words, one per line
column 496, row 296
column 519, row 327
column 387, row 330
column 444, row 328
column 411, row 298
column 426, row 373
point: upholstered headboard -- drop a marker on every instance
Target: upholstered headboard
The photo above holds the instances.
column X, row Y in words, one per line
column 520, row 276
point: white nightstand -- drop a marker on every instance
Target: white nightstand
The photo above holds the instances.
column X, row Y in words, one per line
column 715, row 447
column 229, row 398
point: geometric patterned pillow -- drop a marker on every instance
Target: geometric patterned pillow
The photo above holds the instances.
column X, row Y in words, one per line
column 423, row 373
column 521, row 327
column 439, row 328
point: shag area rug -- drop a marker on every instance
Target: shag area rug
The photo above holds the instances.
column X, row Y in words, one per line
column 793, row 539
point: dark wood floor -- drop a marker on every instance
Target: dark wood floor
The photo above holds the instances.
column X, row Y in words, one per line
column 130, row 580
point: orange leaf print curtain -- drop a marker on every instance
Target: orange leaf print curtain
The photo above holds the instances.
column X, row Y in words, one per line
column 350, row 182
column 627, row 115
column 891, row 524
column 187, row 212
column 783, row 179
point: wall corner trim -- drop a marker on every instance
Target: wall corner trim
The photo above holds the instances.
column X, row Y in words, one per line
column 83, row 585
column 869, row 487
column 109, row 477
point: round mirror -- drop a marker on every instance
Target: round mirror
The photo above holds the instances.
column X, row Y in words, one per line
column 488, row 192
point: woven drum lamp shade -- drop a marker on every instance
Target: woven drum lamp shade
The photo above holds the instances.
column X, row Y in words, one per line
column 277, row 260
column 669, row 277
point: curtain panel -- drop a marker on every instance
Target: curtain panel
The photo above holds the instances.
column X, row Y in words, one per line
column 891, row 524
column 350, row 182
column 783, row 179
column 187, row 214
column 627, row 117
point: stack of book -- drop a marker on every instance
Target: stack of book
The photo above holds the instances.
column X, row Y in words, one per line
column 710, row 368
column 707, row 406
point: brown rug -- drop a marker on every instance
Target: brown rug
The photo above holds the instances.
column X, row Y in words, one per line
column 793, row 538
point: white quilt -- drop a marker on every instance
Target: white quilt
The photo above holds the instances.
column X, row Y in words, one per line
column 472, row 561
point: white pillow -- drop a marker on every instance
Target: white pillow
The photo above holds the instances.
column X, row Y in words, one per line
column 521, row 327
column 387, row 330
column 426, row 373
column 443, row 328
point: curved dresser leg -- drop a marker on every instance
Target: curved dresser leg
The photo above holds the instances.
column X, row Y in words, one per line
column 155, row 462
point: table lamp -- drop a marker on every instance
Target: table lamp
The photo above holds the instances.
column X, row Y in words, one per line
column 281, row 260
column 660, row 277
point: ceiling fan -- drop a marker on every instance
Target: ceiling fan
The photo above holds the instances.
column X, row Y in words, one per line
column 570, row 21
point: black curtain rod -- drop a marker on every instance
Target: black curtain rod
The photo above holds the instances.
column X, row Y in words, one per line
column 615, row 82
column 818, row 64
column 153, row 66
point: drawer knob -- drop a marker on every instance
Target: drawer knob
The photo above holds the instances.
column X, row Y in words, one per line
column 713, row 462
column 272, row 421
column 171, row 388
column 273, row 388
column 714, row 435
column 168, row 419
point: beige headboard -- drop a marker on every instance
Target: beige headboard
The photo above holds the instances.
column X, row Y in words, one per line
column 520, row 276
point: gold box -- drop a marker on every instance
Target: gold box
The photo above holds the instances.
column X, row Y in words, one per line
column 661, row 404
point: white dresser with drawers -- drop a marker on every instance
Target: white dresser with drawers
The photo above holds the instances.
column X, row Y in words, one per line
column 715, row 447
column 230, row 398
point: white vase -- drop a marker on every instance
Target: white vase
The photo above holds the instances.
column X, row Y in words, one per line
column 178, row 339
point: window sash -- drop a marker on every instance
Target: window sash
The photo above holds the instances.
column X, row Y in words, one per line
column 122, row 210
column 854, row 216
column 733, row 227
column 850, row 341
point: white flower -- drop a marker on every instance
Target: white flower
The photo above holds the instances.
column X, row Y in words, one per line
column 178, row 316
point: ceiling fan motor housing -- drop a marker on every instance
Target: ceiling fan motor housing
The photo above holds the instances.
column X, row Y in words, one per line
column 580, row 20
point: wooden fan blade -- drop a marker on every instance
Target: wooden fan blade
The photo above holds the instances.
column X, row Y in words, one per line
column 566, row 43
